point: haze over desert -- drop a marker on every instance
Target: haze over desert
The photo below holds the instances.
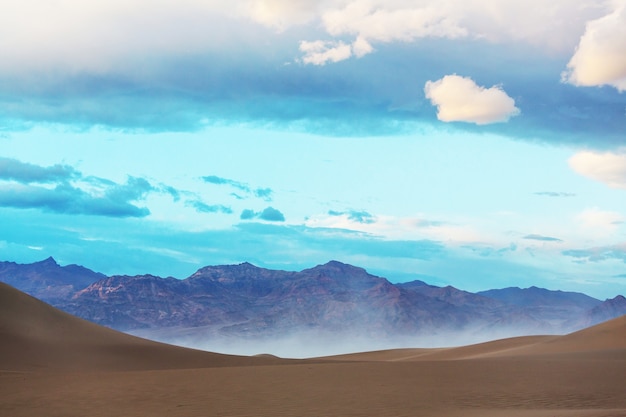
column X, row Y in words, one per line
column 53, row 364
column 312, row 208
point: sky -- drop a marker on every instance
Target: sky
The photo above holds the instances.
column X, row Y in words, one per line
column 479, row 144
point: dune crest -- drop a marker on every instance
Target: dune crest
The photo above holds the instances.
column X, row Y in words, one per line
column 35, row 335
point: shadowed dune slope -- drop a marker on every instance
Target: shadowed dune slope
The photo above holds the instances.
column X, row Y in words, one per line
column 37, row 336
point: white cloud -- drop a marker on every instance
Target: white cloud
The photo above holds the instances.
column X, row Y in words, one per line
column 459, row 99
column 95, row 36
column 280, row 14
column 600, row 221
column 409, row 228
column 556, row 28
column 553, row 26
column 80, row 35
column 361, row 47
column 368, row 23
column 321, row 52
column 386, row 24
column 600, row 58
column 606, row 167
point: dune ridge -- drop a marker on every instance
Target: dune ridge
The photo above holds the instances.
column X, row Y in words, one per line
column 607, row 338
column 37, row 336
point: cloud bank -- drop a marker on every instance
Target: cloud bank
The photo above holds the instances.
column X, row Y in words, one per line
column 259, row 63
column 22, row 172
column 460, row 99
column 63, row 189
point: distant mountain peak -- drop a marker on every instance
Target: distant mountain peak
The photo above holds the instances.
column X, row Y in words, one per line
column 339, row 267
column 49, row 261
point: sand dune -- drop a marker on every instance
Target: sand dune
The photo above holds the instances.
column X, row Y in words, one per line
column 36, row 336
column 52, row 364
column 605, row 339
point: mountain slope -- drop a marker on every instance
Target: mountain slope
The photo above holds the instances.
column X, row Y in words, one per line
column 245, row 300
column 608, row 309
column 535, row 297
column 554, row 308
column 47, row 280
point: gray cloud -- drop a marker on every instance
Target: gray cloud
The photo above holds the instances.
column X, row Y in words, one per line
column 359, row 216
column 269, row 214
column 255, row 88
column 489, row 251
column 171, row 191
column 554, row 194
column 263, row 193
column 12, row 169
column 65, row 198
column 337, row 242
column 542, row 238
column 57, row 189
column 212, row 179
column 247, row 214
column 599, row 253
column 206, row 208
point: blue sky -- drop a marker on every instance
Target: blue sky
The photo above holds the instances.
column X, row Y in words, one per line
column 480, row 146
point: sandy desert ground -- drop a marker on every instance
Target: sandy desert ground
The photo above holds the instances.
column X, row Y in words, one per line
column 55, row 365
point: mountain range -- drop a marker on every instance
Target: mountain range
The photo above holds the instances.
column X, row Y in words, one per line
column 329, row 301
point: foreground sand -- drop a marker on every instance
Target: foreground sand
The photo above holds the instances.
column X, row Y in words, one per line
column 582, row 374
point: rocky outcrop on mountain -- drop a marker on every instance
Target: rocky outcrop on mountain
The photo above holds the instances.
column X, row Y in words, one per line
column 247, row 300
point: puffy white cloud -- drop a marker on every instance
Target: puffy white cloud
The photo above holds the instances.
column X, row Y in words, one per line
column 600, row 58
column 556, row 27
column 321, row 52
column 361, row 47
column 606, row 167
column 369, row 23
column 460, row 99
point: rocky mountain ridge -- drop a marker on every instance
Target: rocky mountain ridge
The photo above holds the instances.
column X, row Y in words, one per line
column 334, row 299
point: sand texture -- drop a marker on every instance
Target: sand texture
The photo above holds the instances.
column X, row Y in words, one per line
column 55, row 365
